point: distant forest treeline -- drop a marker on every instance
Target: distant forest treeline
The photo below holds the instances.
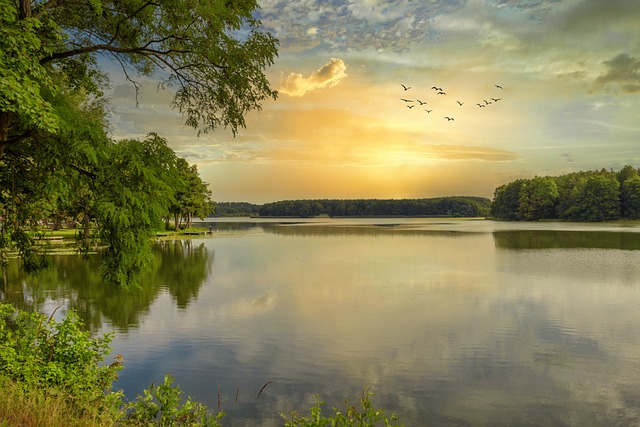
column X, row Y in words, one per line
column 581, row 196
column 236, row 209
column 443, row 206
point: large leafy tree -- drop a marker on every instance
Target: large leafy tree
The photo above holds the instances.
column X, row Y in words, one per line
column 55, row 156
column 599, row 199
column 630, row 195
column 537, row 199
column 135, row 182
column 212, row 53
column 506, row 200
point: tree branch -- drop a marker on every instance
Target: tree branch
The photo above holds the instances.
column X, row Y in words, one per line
column 82, row 171
column 40, row 10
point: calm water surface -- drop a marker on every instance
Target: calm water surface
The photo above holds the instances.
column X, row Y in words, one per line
column 450, row 322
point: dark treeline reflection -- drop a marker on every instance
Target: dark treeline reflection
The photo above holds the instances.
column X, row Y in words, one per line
column 549, row 239
column 181, row 268
column 301, row 228
column 362, row 230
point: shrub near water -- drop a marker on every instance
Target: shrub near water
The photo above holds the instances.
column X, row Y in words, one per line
column 40, row 353
column 55, row 365
column 361, row 414
column 51, row 375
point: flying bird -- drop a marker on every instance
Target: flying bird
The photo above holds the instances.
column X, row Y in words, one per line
column 422, row 102
column 449, row 118
column 410, row 106
column 428, row 111
column 496, row 99
column 441, row 93
column 460, row 103
column 499, row 87
column 487, row 102
column 406, row 100
column 405, row 87
column 481, row 105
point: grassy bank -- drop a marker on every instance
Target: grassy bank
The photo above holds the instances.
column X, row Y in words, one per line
column 46, row 408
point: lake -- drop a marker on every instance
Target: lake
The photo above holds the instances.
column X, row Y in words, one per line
column 449, row 322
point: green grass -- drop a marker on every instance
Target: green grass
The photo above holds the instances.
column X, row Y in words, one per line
column 45, row 408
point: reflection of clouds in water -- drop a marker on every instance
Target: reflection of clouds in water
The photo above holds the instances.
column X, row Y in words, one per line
column 247, row 308
column 450, row 326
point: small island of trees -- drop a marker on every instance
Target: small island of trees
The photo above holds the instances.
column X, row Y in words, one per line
column 580, row 196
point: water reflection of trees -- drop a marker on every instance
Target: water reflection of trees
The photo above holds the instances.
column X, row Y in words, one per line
column 382, row 229
column 550, row 239
column 182, row 267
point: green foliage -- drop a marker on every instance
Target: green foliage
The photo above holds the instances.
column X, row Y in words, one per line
column 597, row 200
column 581, row 196
column 630, row 197
column 56, row 162
column 236, row 209
column 135, row 181
column 49, row 366
column 212, row 53
column 192, row 195
column 537, row 199
column 443, row 206
column 161, row 406
column 32, row 257
column 22, row 78
column 506, row 200
column 361, row 414
column 39, row 353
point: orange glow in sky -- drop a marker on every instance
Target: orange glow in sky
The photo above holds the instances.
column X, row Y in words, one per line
column 569, row 73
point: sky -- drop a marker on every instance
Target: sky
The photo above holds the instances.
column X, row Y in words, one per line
column 565, row 74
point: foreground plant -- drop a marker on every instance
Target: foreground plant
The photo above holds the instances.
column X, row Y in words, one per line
column 39, row 353
column 160, row 405
column 52, row 375
column 361, row 414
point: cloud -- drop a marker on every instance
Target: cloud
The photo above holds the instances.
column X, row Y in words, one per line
column 374, row 11
column 328, row 75
column 622, row 70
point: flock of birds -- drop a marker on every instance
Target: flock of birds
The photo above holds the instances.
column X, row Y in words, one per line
column 412, row 103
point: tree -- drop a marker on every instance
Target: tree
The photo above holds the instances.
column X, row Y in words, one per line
column 506, row 200
column 23, row 108
column 55, row 157
column 626, row 173
column 46, row 176
column 212, row 54
column 192, row 195
column 136, row 180
column 537, row 199
column 630, row 197
column 599, row 199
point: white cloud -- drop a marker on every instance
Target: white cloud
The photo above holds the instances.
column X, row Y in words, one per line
column 377, row 11
column 328, row 75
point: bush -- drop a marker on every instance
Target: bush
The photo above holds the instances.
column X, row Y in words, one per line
column 39, row 353
column 161, row 406
column 51, row 375
column 361, row 414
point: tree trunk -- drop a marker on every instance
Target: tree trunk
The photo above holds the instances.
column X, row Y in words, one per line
column 5, row 124
column 87, row 223
column 25, row 9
